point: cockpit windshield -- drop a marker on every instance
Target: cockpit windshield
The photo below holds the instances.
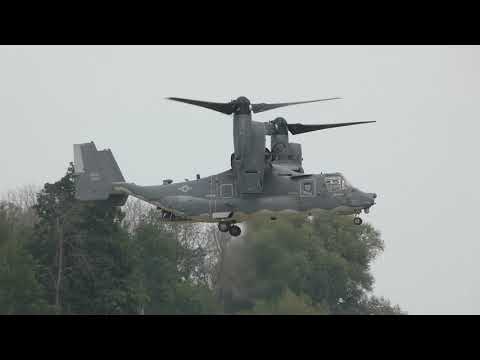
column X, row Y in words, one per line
column 346, row 183
column 336, row 182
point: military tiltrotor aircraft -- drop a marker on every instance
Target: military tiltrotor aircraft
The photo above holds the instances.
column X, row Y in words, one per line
column 259, row 180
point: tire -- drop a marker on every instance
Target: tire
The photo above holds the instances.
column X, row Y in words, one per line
column 357, row 221
column 223, row 227
column 235, row 230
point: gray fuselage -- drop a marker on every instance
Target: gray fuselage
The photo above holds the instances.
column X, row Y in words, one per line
column 214, row 198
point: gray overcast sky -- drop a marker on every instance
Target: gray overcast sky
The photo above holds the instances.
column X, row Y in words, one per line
column 420, row 157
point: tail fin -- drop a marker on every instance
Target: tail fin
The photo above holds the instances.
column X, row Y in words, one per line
column 95, row 172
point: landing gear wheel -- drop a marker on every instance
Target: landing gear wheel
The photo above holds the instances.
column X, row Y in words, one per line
column 357, row 221
column 223, row 227
column 235, row 230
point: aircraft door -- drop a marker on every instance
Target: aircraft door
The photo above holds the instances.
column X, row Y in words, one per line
column 221, row 191
column 307, row 193
column 226, row 191
column 213, row 194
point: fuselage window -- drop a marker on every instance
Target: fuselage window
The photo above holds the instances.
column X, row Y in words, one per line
column 307, row 188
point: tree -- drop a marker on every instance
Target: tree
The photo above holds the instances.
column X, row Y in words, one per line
column 23, row 199
column 89, row 264
column 287, row 304
column 172, row 268
column 322, row 265
column 381, row 306
column 135, row 210
column 20, row 292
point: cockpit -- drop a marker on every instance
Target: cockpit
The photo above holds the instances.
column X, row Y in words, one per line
column 336, row 182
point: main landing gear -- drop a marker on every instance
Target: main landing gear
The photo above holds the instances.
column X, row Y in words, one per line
column 357, row 220
column 230, row 227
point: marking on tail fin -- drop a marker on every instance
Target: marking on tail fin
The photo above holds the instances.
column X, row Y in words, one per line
column 95, row 176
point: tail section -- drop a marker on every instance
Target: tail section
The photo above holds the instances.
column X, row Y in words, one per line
column 95, row 172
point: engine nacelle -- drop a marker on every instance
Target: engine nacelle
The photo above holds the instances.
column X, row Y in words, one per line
column 248, row 161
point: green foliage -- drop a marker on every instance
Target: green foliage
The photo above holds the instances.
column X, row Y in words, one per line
column 288, row 304
column 99, row 272
column 381, row 306
column 324, row 264
column 194, row 299
column 169, row 269
column 158, row 254
column 20, row 292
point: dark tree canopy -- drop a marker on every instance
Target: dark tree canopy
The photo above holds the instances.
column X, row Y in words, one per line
column 324, row 265
column 100, row 266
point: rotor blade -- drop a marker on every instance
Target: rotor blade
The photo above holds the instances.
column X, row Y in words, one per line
column 256, row 108
column 225, row 108
column 301, row 128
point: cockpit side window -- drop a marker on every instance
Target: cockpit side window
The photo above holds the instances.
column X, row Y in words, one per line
column 334, row 183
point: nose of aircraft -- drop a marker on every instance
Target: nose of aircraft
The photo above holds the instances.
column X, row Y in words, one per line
column 371, row 198
column 360, row 198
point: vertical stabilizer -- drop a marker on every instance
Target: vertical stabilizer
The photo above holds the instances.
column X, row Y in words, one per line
column 95, row 172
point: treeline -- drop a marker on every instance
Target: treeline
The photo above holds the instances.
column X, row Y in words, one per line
column 61, row 256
